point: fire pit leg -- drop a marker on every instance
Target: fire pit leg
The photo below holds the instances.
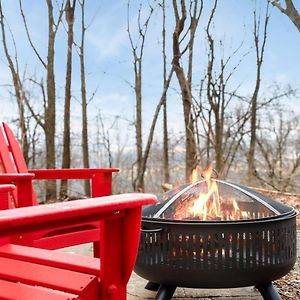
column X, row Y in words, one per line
column 165, row 292
column 152, row 286
column 268, row 291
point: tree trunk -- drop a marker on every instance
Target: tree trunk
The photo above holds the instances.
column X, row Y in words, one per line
column 138, row 51
column 166, row 167
column 290, row 11
column 85, row 142
column 50, row 113
column 190, row 141
column 19, row 92
column 254, row 105
column 139, row 184
column 66, row 159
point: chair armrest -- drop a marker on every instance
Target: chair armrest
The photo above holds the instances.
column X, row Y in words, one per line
column 101, row 179
column 76, row 173
column 119, row 234
column 10, row 177
column 26, row 219
column 5, row 188
column 23, row 182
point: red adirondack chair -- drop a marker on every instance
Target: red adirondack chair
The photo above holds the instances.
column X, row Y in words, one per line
column 15, row 171
column 28, row 273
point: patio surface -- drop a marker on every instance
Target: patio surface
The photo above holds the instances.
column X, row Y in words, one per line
column 136, row 291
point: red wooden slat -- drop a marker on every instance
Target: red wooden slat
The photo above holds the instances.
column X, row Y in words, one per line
column 101, row 185
column 76, row 211
column 16, row 177
column 15, row 149
column 63, row 260
column 23, row 182
column 5, row 202
column 74, row 173
column 131, row 232
column 7, row 164
column 5, row 155
column 62, row 236
column 15, row 163
column 18, row 291
column 66, row 239
column 49, row 277
column 101, row 178
column 112, row 271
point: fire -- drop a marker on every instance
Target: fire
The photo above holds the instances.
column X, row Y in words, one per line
column 208, row 205
column 194, row 175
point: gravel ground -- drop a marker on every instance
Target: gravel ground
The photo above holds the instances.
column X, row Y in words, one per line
column 289, row 286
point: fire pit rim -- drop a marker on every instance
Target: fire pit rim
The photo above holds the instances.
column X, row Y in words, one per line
column 282, row 217
column 279, row 209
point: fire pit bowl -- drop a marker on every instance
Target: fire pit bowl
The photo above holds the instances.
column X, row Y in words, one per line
column 240, row 238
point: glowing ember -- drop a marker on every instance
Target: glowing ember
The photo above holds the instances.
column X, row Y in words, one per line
column 208, row 205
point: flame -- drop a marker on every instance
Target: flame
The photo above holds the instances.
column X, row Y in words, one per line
column 208, row 205
column 194, row 175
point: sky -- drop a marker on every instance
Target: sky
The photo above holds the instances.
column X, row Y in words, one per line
column 109, row 58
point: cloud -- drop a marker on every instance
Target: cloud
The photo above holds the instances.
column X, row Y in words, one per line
column 107, row 35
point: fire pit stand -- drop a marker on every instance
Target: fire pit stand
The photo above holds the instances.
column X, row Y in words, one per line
column 217, row 254
column 166, row 291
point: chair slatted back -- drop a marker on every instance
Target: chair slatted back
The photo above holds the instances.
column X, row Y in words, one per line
column 15, row 150
column 12, row 158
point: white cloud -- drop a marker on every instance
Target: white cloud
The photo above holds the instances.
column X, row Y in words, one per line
column 107, row 45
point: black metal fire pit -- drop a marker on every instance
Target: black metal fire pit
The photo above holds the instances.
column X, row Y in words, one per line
column 250, row 240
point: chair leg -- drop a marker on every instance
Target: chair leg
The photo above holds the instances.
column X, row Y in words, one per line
column 96, row 249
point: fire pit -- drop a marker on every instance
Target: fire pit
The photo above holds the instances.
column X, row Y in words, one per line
column 216, row 234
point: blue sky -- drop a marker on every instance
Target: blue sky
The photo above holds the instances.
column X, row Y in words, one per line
column 109, row 59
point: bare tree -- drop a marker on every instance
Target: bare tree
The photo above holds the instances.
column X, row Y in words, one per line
column 47, row 121
column 20, row 94
column 185, row 77
column 105, row 137
column 224, row 126
column 84, row 102
column 279, row 159
column 289, row 10
column 66, row 159
column 222, row 114
column 260, row 50
column 166, row 168
column 143, row 154
column 138, row 52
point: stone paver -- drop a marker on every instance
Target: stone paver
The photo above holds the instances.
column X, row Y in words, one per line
column 136, row 291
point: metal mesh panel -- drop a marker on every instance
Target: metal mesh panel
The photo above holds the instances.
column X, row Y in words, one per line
column 217, row 255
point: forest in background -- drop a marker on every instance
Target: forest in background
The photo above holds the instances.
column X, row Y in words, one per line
column 249, row 135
